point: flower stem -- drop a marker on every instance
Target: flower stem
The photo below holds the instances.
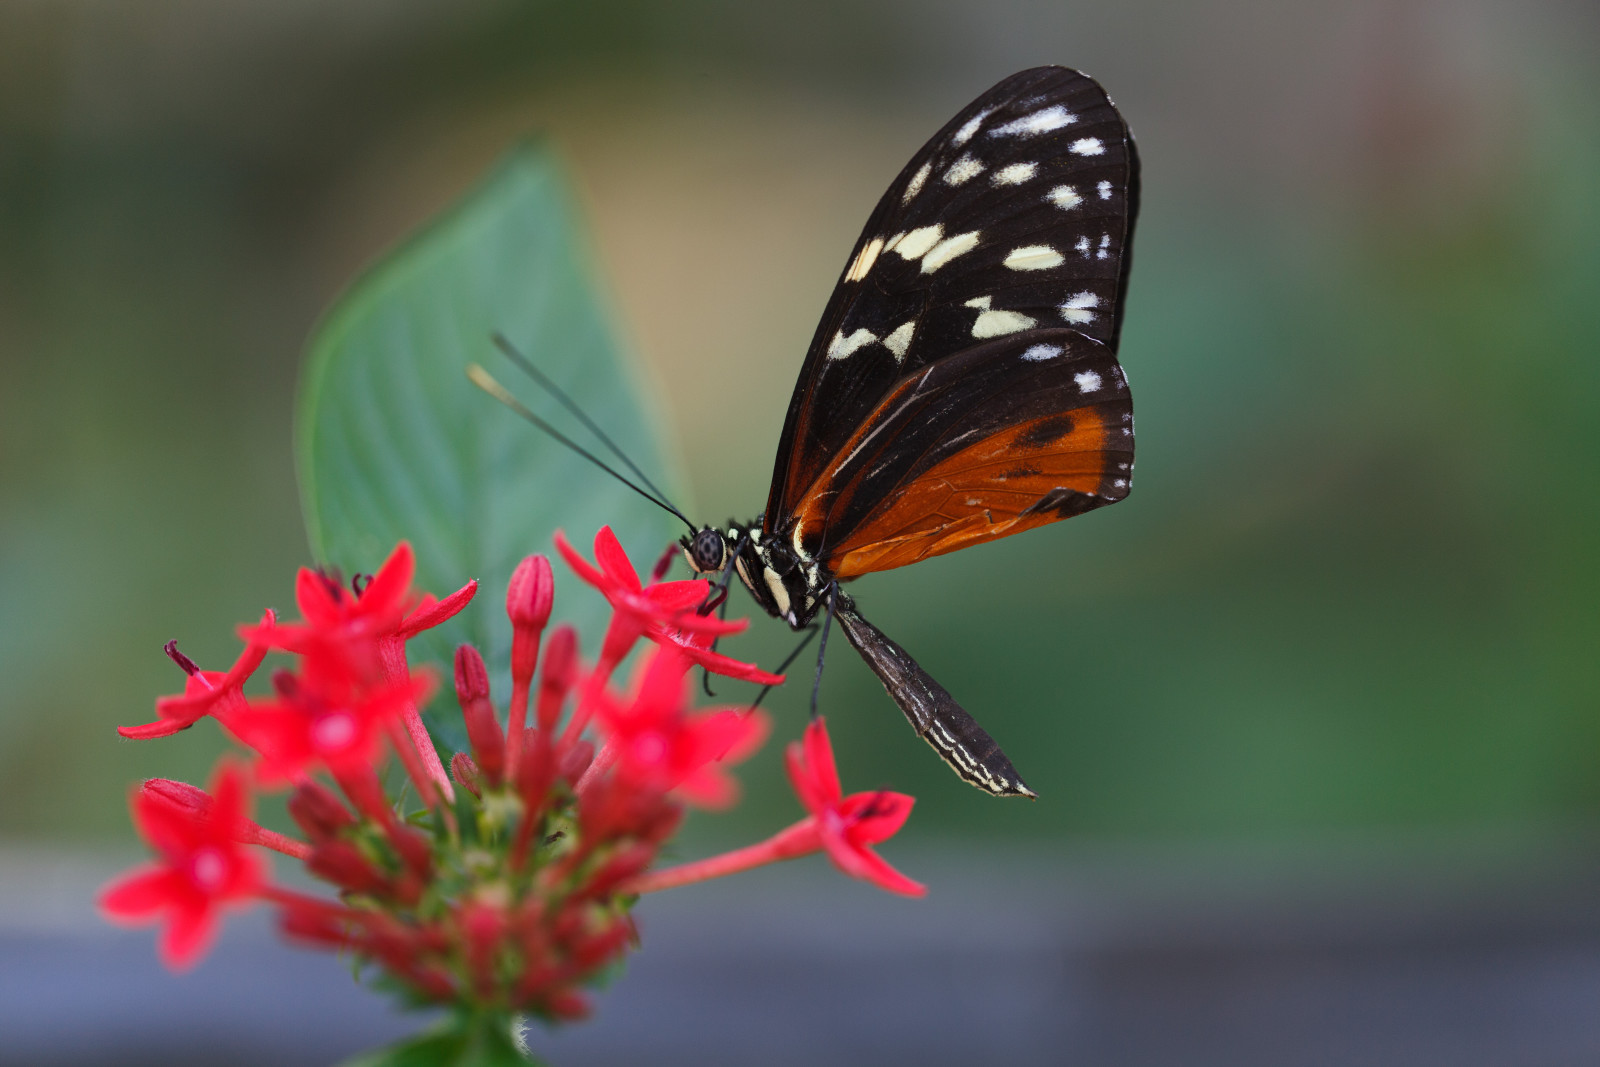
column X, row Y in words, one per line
column 280, row 843
column 798, row 840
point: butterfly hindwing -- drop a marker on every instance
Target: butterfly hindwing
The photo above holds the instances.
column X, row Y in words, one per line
column 1003, row 437
column 1014, row 218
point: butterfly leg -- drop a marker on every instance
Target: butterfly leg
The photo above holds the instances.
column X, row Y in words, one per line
column 822, row 647
column 811, row 631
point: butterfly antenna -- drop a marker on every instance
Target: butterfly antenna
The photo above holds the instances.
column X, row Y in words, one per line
column 485, row 381
column 545, row 382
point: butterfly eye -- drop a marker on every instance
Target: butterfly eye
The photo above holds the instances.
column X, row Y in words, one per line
column 709, row 550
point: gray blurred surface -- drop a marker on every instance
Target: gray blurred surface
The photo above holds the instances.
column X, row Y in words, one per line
column 1448, row 956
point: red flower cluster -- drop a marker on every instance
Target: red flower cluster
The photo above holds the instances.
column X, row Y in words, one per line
column 515, row 894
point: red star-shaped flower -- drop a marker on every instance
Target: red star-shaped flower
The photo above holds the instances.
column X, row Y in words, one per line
column 325, row 717
column 202, row 868
column 376, row 621
column 655, row 744
column 205, row 693
column 653, row 611
column 848, row 825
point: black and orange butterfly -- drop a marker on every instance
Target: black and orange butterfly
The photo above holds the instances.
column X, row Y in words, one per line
column 962, row 386
column 963, row 383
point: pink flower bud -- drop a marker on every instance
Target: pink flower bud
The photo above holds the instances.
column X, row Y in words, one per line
column 560, row 674
column 180, row 796
column 465, row 772
column 342, row 863
column 577, row 760
column 318, row 811
column 528, row 601
column 472, row 688
column 531, row 593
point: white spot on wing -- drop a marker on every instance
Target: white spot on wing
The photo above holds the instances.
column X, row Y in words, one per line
column 962, row 170
column 1088, row 146
column 1000, row 323
column 1104, row 188
column 899, row 341
column 1076, row 309
column 1015, row 174
column 980, row 302
column 1033, row 257
column 915, row 244
column 865, row 260
column 948, row 249
column 915, row 185
column 968, row 128
column 1040, row 353
column 1088, row 381
column 1064, row 197
column 1105, row 245
column 1084, row 246
column 1051, row 118
column 843, row 346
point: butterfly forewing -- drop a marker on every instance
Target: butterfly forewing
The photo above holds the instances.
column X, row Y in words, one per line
column 1014, row 218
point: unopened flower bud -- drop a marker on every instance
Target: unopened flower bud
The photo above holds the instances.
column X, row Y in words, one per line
column 560, row 673
column 472, row 689
column 528, row 601
column 318, row 811
column 342, row 863
column 576, row 760
column 531, row 593
column 182, row 796
column 465, row 772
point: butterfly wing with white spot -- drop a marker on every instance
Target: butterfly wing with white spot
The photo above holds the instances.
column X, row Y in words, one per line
column 1016, row 217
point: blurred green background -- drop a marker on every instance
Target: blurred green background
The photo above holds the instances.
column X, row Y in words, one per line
column 1356, row 590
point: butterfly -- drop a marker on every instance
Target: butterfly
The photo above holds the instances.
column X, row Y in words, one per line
column 963, row 384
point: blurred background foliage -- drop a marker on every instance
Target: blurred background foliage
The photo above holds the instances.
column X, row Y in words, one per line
column 1354, row 592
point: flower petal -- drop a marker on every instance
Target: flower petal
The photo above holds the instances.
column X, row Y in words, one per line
column 717, row 663
column 864, row 863
column 429, row 615
column 581, row 566
column 614, row 561
column 710, row 787
column 682, row 595
column 805, row 786
column 875, row 817
column 189, row 933
column 386, row 595
column 138, row 896
column 319, row 600
column 819, row 757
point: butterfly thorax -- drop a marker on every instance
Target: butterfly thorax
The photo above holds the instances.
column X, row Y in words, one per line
column 788, row 586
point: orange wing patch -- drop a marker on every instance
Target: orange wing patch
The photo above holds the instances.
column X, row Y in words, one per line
column 1027, row 475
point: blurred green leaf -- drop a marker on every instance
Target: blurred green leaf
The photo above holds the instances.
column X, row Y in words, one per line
column 395, row 444
column 462, row 1041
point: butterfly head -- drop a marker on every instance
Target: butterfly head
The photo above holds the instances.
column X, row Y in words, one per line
column 706, row 551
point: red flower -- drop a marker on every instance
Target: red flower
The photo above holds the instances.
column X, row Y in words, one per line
column 205, row 693
column 640, row 611
column 375, row 616
column 203, row 868
column 653, row 743
column 368, row 629
column 848, row 826
column 325, row 718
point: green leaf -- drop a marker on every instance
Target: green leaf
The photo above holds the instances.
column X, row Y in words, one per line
column 394, row 443
column 461, row 1041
